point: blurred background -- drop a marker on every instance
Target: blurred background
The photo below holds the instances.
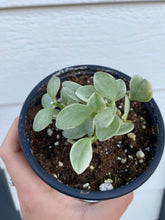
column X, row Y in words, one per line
column 38, row 37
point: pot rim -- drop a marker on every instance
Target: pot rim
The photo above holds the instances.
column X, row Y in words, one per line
column 82, row 194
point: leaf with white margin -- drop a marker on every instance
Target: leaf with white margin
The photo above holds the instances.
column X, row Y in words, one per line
column 47, row 101
column 84, row 92
column 72, row 116
column 106, row 85
column 125, row 128
column 75, row 133
column 106, row 133
column 121, row 89
column 140, row 89
column 104, row 118
column 126, row 108
column 66, row 100
column 70, row 89
column 55, row 113
column 89, row 127
column 81, row 155
column 53, row 86
column 42, row 119
column 96, row 102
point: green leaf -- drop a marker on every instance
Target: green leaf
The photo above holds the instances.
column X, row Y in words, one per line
column 75, row 133
column 96, row 102
column 125, row 128
column 42, row 119
column 72, row 116
column 121, row 89
column 104, row 118
column 106, row 133
column 66, row 98
column 70, row 89
column 140, row 89
column 81, row 155
column 89, row 126
column 55, row 113
column 106, row 85
column 84, row 92
column 86, row 128
column 47, row 101
column 53, row 86
column 126, row 108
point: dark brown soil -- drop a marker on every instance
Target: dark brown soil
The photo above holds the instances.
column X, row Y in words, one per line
column 114, row 159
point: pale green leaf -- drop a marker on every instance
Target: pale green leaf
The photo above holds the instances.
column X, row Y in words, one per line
column 70, row 89
column 66, row 99
column 121, row 89
column 89, row 126
column 104, row 118
column 126, row 108
column 125, row 128
column 84, row 92
column 106, row 133
column 55, row 113
column 75, row 133
column 106, row 85
column 42, row 119
column 81, row 155
column 140, row 89
column 47, row 101
column 53, row 86
column 96, row 102
column 72, row 116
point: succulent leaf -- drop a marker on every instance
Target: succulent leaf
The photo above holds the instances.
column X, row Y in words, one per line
column 140, row 89
column 42, row 119
column 84, row 92
column 47, row 101
column 96, row 102
column 125, row 128
column 106, row 133
column 121, row 89
column 72, row 116
column 106, row 85
column 81, row 155
column 70, row 89
column 104, row 118
column 53, row 86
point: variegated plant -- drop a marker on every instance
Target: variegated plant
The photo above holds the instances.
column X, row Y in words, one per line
column 89, row 113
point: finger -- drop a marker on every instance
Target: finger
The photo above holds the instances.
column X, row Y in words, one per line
column 21, row 173
column 111, row 209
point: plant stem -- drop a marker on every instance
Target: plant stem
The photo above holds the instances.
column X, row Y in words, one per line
column 58, row 105
column 94, row 138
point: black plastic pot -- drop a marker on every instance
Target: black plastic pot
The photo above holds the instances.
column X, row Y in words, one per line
column 157, row 151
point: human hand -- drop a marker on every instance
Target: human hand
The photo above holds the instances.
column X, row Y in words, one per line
column 38, row 201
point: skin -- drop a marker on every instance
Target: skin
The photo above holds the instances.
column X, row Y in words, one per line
column 40, row 201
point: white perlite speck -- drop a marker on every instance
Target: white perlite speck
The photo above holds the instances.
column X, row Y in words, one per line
column 86, row 185
column 92, row 167
column 49, row 132
column 123, row 160
column 140, row 154
column 56, row 143
column 58, row 136
column 60, row 163
column 132, row 136
column 118, row 145
column 105, row 186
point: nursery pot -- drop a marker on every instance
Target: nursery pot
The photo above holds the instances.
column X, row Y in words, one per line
column 157, row 150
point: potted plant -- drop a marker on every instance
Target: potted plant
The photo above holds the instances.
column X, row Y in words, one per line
column 91, row 132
